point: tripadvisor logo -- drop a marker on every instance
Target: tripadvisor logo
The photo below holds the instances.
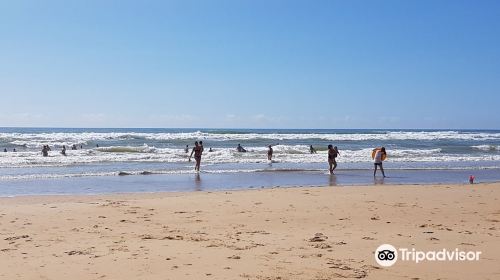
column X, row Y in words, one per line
column 387, row 255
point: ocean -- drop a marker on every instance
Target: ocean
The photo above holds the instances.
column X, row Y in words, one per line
column 154, row 159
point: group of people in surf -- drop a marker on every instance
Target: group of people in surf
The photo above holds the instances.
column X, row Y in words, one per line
column 46, row 149
column 378, row 155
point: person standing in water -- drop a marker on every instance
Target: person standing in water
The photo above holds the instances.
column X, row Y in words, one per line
column 312, row 150
column 197, row 150
column 270, row 153
column 333, row 152
column 186, row 150
column 379, row 156
column 63, row 151
column 335, row 155
column 45, row 150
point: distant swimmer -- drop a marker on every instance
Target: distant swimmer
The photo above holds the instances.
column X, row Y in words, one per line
column 312, row 150
column 210, row 150
column 97, row 145
column 270, row 152
column 202, row 148
column 73, row 147
column 197, row 150
column 14, row 150
column 4, row 150
column 378, row 155
column 333, row 152
column 45, row 151
column 63, row 151
column 186, row 150
column 81, row 147
column 240, row 149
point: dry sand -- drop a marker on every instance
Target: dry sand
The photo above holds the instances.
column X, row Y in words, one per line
column 292, row 233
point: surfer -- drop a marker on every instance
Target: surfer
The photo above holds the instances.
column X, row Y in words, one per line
column 240, row 149
column 312, row 150
column 197, row 150
column 378, row 157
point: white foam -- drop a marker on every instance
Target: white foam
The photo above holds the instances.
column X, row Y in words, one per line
column 35, row 140
column 282, row 154
column 487, row 147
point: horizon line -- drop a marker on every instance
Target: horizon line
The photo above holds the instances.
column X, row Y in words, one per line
column 241, row 128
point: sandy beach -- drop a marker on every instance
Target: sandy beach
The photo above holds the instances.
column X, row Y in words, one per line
column 280, row 233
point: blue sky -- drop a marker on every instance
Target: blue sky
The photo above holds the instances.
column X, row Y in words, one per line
column 250, row 64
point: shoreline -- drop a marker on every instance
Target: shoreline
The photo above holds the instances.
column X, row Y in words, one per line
column 272, row 233
column 205, row 181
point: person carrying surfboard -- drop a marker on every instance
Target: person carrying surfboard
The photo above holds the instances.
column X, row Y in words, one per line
column 378, row 155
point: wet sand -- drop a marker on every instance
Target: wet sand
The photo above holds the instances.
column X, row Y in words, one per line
column 280, row 233
column 206, row 181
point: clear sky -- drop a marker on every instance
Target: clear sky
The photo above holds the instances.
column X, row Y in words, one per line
column 250, row 64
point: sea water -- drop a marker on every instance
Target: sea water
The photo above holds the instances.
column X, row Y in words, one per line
column 414, row 156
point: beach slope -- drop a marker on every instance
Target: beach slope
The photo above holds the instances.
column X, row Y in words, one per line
column 280, row 233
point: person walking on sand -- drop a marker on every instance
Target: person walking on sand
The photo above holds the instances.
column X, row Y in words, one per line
column 197, row 150
column 332, row 154
column 379, row 155
column 270, row 152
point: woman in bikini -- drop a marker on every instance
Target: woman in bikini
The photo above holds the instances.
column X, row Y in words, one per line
column 197, row 150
